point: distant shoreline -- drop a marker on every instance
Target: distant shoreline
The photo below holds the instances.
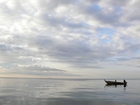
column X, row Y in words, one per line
column 69, row 78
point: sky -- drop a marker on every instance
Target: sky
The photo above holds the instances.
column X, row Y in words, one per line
column 70, row 38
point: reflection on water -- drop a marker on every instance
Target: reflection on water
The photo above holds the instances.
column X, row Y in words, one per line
column 66, row 92
column 113, row 85
column 109, row 85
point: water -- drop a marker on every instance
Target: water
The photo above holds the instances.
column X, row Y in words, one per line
column 67, row 92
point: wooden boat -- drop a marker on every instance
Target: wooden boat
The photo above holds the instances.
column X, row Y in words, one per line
column 115, row 82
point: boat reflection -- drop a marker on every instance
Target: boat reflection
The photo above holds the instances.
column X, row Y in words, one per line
column 115, row 85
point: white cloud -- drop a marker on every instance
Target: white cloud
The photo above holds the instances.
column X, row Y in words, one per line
column 68, row 31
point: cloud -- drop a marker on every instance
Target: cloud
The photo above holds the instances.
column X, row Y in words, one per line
column 40, row 68
column 72, row 33
column 35, row 70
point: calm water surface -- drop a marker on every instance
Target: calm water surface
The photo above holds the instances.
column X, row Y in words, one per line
column 67, row 92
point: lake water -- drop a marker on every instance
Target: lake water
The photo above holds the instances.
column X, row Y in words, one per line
column 67, row 92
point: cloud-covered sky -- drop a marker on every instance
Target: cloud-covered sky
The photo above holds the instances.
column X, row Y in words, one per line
column 90, row 38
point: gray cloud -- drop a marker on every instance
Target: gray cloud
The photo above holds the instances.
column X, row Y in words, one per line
column 35, row 70
column 42, row 68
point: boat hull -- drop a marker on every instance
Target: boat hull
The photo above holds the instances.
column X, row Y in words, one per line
column 115, row 83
